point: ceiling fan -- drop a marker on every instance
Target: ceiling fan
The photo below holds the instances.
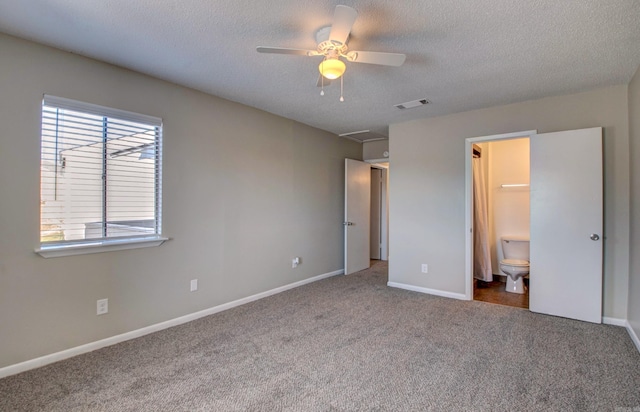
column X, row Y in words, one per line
column 332, row 45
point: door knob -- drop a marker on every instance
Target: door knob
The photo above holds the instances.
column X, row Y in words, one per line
column 594, row 236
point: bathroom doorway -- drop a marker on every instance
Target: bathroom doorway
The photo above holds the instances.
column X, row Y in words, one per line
column 566, row 222
column 500, row 181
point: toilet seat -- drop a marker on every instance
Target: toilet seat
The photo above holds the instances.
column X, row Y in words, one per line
column 515, row 262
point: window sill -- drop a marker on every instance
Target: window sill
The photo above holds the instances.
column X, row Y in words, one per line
column 98, row 246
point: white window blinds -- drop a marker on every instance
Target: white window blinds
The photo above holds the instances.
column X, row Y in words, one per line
column 100, row 173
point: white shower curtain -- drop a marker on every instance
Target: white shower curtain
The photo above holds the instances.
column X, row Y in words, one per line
column 481, row 249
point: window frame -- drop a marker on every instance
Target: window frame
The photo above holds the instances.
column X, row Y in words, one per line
column 105, row 244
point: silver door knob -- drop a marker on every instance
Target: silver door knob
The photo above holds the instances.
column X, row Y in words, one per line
column 348, row 223
column 594, row 236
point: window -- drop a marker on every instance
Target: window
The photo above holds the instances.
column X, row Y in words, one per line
column 100, row 176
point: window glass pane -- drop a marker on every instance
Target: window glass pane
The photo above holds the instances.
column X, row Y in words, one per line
column 131, row 179
column 99, row 176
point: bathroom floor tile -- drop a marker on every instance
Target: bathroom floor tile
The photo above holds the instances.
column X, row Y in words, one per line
column 493, row 292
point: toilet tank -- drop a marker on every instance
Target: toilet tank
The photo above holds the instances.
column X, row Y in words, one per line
column 515, row 247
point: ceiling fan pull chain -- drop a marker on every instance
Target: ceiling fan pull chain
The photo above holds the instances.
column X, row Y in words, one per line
column 322, row 80
column 333, row 48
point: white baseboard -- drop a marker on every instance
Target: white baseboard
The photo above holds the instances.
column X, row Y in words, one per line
column 634, row 337
column 614, row 321
column 443, row 293
column 79, row 350
column 625, row 324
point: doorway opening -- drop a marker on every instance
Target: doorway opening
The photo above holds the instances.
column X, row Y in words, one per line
column 361, row 210
column 566, row 215
column 498, row 219
column 379, row 218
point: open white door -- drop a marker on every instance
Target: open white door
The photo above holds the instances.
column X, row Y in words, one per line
column 566, row 224
column 357, row 208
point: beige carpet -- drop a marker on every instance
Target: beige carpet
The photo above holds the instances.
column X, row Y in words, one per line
column 349, row 343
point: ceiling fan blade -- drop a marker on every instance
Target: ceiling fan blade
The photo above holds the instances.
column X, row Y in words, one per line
column 385, row 59
column 284, row 50
column 324, row 82
column 343, row 19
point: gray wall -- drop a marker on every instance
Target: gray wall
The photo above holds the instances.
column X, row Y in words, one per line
column 244, row 192
column 634, row 269
column 375, row 150
column 427, row 185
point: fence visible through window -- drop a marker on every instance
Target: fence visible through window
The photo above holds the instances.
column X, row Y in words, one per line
column 100, row 172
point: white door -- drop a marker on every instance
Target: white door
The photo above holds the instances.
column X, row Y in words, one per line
column 357, row 206
column 566, row 224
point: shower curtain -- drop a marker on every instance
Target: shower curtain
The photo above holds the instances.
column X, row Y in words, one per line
column 481, row 249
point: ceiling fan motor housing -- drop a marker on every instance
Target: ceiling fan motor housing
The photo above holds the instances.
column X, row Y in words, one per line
column 332, row 44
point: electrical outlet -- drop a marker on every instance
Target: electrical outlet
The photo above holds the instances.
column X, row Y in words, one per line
column 102, row 306
column 425, row 268
column 194, row 285
column 295, row 262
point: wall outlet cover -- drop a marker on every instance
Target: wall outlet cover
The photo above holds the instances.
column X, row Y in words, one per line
column 425, row 268
column 194, row 285
column 102, row 306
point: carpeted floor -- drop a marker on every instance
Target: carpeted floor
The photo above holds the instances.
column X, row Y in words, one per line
column 349, row 343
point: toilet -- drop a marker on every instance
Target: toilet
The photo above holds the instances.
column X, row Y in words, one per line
column 515, row 263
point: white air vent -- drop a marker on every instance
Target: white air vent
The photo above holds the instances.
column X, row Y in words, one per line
column 363, row 136
column 412, row 104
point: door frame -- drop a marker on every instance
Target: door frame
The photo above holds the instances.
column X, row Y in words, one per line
column 383, row 165
column 468, row 208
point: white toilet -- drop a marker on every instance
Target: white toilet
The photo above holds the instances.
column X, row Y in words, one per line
column 515, row 263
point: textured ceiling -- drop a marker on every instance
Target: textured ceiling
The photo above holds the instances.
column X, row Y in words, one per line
column 461, row 54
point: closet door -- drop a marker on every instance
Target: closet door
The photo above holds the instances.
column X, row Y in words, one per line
column 566, row 224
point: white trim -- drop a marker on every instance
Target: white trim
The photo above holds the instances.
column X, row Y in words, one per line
column 89, row 347
column 427, row 291
column 106, row 245
column 468, row 204
column 614, row 321
column 70, row 104
column 625, row 324
column 383, row 160
column 632, row 334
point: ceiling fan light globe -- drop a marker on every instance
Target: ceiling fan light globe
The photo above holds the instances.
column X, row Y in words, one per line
column 332, row 68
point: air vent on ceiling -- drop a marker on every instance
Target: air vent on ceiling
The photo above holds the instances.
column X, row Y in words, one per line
column 363, row 136
column 412, row 104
